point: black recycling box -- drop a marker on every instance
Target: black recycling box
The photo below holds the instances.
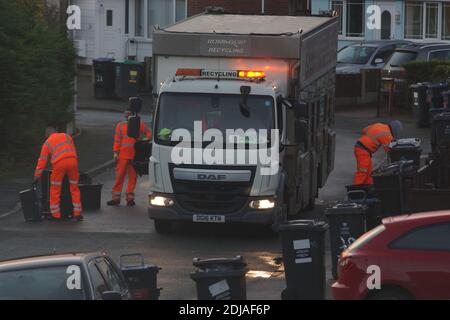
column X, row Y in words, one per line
column 303, row 247
column 91, row 196
column 220, row 279
column 30, row 205
column 347, row 222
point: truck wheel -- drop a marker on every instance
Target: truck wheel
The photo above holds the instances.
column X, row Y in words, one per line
column 163, row 226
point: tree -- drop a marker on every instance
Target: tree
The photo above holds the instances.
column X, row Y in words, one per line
column 36, row 73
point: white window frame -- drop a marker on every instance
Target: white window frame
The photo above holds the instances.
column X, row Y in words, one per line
column 132, row 20
column 423, row 37
column 344, row 36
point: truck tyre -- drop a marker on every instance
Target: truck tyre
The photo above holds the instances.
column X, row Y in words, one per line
column 163, row 226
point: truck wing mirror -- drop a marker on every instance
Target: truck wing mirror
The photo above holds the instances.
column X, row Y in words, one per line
column 134, row 126
column 302, row 132
column 300, row 109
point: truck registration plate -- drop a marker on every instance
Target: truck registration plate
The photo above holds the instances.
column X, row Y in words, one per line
column 208, row 218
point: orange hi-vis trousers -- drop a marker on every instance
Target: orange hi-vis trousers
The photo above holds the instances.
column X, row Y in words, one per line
column 363, row 173
column 69, row 167
column 123, row 167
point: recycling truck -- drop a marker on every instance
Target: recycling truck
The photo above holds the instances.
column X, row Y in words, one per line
column 243, row 118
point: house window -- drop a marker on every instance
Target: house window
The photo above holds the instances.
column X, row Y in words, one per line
column 160, row 12
column 109, row 18
column 431, row 18
column 180, row 10
column 139, row 18
column 351, row 17
column 427, row 20
column 445, row 21
column 413, row 20
column 127, row 16
column 355, row 18
column 338, row 7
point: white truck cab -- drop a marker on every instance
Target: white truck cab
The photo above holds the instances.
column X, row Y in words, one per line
column 242, row 125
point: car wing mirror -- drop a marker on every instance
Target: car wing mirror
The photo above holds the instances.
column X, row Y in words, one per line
column 300, row 109
column 111, row 295
column 379, row 61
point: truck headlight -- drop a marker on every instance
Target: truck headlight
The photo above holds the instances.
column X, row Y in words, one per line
column 160, row 201
column 262, row 204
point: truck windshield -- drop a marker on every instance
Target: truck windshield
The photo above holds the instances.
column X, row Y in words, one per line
column 39, row 284
column 213, row 111
column 355, row 54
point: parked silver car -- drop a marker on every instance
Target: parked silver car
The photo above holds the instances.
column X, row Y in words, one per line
column 368, row 54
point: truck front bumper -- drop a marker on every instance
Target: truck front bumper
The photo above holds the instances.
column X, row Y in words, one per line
column 244, row 215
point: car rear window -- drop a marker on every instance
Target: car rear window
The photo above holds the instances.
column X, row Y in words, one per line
column 432, row 237
column 52, row 283
column 401, row 57
column 365, row 238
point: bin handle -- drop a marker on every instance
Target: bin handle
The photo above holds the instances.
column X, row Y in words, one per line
column 363, row 192
column 131, row 255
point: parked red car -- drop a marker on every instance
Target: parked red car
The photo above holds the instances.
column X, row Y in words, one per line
column 413, row 253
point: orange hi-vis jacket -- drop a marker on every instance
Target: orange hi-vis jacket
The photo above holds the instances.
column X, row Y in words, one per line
column 124, row 144
column 57, row 147
column 376, row 135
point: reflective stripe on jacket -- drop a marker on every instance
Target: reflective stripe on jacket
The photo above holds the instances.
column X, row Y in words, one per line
column 57, row 147
column 123, row 144
column 376, row 135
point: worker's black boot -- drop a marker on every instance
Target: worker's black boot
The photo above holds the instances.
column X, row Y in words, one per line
column 131, row 203
column 113, row 203
column 79, row 218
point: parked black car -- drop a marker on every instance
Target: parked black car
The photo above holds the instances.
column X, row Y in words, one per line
column 393, row 70
column 368, row 54
column 77, row 276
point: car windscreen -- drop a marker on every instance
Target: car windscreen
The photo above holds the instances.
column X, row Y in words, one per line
column 211, row 111
column 401, row 57
column 358, row 243
column 50, row 283
column 355, row 54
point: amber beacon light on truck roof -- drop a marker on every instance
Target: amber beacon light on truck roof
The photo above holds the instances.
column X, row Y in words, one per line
column 226, row 74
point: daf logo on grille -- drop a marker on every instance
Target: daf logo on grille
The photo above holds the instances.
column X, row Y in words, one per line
column 214, row 177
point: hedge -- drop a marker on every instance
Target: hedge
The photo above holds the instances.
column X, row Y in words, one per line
column 427, row 71
column 36, row 73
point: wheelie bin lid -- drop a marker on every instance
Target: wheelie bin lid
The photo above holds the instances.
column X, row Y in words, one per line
column 406, row 143
column 235, row 263
column 346, row 207
column 103, row 60
column 308, row 225
column 219, row 267
column 136, row 266
column 440, row 85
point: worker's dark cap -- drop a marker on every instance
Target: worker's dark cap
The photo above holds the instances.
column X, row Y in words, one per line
column 134, row 104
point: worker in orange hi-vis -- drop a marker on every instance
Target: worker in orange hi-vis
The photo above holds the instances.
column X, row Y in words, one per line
column 60, row 150
column 123, row 155
column 373, row 136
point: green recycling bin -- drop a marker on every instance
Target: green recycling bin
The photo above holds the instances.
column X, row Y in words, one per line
column 129, row 79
